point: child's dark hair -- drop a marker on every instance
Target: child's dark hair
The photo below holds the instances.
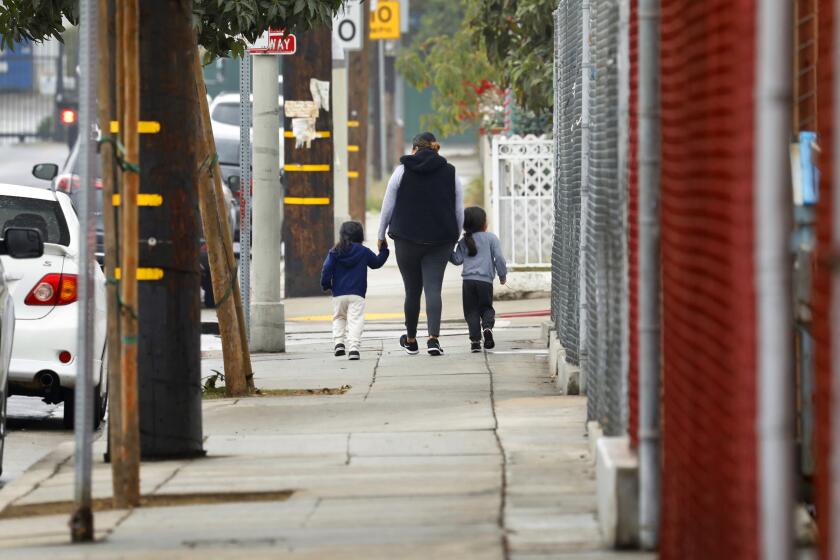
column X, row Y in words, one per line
column 475, row 220
column 350, row 232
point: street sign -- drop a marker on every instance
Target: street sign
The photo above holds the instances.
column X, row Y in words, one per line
column 348, row 27
column 274, row 42
column 385, row 20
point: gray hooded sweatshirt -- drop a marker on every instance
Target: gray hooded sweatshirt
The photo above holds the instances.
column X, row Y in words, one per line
column 486, row 262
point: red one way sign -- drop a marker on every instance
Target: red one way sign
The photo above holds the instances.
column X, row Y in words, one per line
column 275, row 42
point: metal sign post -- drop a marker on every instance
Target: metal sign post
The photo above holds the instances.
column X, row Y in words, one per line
column 245, row 187
column 81, row 524
column 384, row 25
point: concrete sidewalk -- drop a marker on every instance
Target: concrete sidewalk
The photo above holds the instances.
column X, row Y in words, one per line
column 463, row 456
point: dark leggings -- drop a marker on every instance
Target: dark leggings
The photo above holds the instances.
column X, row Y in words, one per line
column 422, row 268
column 478, row 307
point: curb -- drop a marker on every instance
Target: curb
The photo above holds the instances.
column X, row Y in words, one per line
column 41, row 471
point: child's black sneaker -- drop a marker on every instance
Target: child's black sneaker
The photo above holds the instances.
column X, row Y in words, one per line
column 410, row 347
column 475, row 347
column 339, row 349
column 433, row 347
column 354, row 355
column 488, row 339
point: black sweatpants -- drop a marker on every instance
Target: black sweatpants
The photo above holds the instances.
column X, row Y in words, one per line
column 478, row 307
column 422, row 268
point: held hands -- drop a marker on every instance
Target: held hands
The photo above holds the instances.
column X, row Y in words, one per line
column 502, row 279
column 380, row 244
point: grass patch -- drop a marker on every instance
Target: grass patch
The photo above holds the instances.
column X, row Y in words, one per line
column 474, row 192
column 210, row 390
column 375, row 194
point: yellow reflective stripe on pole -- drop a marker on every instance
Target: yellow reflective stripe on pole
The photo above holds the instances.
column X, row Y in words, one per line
column 307, row 167
column 352, row 148
column 319, row 134
column 306, row 201
column 352, row 124
column 143, row 127
column 144, row 273
column 353, row 174
column 143, row 200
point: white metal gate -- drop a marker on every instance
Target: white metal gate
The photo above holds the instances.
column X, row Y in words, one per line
column 523, row 198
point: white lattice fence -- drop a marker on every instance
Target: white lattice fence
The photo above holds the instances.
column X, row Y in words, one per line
column 523, row 198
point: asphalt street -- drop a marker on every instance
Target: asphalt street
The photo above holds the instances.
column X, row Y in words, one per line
column 17, row 160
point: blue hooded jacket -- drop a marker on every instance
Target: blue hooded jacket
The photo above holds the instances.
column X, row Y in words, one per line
column 345, row 272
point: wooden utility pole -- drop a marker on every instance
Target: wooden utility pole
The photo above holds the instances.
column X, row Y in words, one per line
column 359, row 76
column 129, row 450
column 223, row 268
column 169, row 353
column 107, row 70
column 308, row 224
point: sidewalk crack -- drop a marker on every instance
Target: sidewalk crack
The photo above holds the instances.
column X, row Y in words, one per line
column 311, row 513
column 347, row 450
column 375, row 368
column 503, row 498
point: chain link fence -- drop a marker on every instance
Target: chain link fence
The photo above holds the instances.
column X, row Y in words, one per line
column 567, row 152
column 590, row 268
column 605, row 230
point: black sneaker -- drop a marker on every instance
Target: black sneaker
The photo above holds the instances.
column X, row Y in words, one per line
column 475, row 347
column 488, row 339
column 433, row 347
column 339, row 349
column 354, row 355
column 410, row 347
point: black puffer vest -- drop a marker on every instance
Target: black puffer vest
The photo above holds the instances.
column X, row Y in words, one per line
column 425, row 208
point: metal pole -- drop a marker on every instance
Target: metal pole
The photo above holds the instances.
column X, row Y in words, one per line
column 81, row 524
column 268, row 327
column 586, row 74
column 772, row 214
column 383, row 150
column 649, row 280
column 341, row 180
column 245, row 187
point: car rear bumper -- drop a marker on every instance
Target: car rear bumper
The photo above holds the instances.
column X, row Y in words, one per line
column 37, row 345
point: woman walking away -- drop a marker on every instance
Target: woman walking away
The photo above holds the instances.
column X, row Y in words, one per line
column 345, row 273
column 481, row 254
column 422, row 212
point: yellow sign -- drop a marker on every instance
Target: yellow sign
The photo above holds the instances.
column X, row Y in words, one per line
column 385, row 20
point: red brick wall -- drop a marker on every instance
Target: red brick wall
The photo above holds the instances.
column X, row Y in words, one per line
column 709, row 483
column 822, row 293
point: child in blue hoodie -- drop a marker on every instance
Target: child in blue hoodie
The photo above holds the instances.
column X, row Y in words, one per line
column 345, row 274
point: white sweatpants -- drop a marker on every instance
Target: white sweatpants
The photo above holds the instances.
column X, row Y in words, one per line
column 348, row 320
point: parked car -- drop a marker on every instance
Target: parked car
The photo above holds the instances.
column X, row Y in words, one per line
column 45, row 294
column 16, row 243
column 66, row 180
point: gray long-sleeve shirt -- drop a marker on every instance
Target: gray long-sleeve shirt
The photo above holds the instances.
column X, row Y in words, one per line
column 487, row 261
column 390, row 201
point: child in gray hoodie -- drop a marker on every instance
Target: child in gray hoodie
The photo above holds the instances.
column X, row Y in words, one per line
column 481, row 254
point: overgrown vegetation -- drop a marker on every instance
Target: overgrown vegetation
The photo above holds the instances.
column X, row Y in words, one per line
column 471, row 51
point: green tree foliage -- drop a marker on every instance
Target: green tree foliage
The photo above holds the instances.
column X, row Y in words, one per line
column 222, row 26
column 518, row 39
column 472, row 50
column 442, row 56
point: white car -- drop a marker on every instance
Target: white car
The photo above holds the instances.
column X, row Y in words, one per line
column 17, row 244
column 44, row 291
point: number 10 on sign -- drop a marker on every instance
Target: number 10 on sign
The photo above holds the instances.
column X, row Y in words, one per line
column 385, row 20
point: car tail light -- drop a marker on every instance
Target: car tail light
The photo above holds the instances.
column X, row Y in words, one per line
column 54, row 289
column 68, row 116
column 67, row 182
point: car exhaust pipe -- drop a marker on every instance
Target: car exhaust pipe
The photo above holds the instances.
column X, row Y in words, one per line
column 48, row 380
